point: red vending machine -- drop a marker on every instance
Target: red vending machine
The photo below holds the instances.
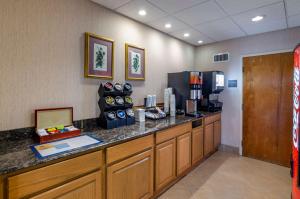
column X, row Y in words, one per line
column 295, row 166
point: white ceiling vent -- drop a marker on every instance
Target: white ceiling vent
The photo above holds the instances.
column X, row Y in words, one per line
column 221, row 57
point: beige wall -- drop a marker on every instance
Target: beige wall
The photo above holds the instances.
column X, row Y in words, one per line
column 273, row 42
column 42, row 57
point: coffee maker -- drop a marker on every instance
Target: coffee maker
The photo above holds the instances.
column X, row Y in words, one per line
column 213, row 85
column 187, row 87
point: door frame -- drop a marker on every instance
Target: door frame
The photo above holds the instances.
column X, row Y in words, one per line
column 242, row 88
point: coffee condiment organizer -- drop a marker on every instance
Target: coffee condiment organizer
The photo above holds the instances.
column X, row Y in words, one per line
column 114, row 114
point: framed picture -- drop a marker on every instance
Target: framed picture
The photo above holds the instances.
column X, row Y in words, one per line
column 134, row 62
column 99, row 57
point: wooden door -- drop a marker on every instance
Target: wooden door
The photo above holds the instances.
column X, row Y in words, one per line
column 183, row 153
column 1, row 188
column 217, row 134
column 267, row 109
column 131, row 178
column 88, row 186
column 197, row 144
column 208, row 138
column 165, row 164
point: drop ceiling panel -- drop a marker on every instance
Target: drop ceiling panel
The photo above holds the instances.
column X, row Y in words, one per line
column 176, row 24
column 194, row 37
column 201, row 13
column 132, row 8
column 112, row 4
column 221, row 29
column 292, row 7
column 294, row 21
column 172, row 6
column 238, row 6
column 274, row 19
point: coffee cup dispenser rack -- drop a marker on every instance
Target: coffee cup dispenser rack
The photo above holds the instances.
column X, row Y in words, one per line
column 115, row 105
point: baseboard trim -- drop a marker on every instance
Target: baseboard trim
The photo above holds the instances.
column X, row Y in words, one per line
column 228, row 148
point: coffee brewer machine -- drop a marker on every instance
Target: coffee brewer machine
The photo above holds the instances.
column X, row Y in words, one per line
column 213, row 85
column 187, row 87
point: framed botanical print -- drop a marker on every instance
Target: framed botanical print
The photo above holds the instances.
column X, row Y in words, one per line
column 134, row 62
column 99, row 57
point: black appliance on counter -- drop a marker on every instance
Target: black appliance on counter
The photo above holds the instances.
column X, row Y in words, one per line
column 187, row 87
column 213, row 85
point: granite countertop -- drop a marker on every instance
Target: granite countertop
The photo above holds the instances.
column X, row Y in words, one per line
column 16, row 155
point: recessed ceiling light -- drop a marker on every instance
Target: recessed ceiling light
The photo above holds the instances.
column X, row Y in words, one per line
column 168, row 25
column 257, row 18
column 200, row 42
column 142, row 12
column 186, row 34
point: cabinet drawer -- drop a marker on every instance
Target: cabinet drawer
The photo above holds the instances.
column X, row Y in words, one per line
column 173, row 132
column 33, row 181
column 88, row 186
column 211, row 119
column 129, row 148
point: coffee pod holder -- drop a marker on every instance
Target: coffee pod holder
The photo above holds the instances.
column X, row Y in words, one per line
column 106, row 108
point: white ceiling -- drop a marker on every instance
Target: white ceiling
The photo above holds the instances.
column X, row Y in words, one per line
column 210, row 20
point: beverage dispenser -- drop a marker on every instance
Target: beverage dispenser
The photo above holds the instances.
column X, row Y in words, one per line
column 295, row 166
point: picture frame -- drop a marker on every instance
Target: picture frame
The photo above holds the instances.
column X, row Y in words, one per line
column 135, row 65
column 99, row 57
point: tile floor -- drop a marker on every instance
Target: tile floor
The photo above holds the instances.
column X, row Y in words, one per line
column 228, row 176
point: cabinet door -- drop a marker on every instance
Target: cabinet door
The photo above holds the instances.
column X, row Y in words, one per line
column 197, row 144
column 165, row 166
column 131, row 178
column 88, row 186
column 208, row 138
column 183, row 153
column 217, row 134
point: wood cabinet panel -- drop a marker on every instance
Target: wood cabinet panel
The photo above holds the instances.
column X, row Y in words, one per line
column 88, row 187
column 165, row 166
column 197, row 144
column 212, row 118
column 33, row 181
column 217, row 134
column 173, row 132
column 129, row 148
column 1, row 188
column 183, row 153
column 131, row 178
column 208, row 138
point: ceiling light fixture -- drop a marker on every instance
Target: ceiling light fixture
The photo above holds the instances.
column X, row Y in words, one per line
column 200, row 42
column 142, row 12
column 186, row 34
column 257, row 18
column 168, row 25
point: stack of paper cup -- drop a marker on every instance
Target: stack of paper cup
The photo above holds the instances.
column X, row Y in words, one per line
column 166, row 101
column 153, row 100
column 172, row 106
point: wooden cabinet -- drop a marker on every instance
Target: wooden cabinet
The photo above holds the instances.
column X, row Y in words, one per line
column 131, row 178
column 173, row 154
column 217, row 134
column 212, row 133
column 1, row 188
column 197, row 144
column 38, row 180
column 165, row 166
column 88, row 186
column 183, row 153
column 208, row 138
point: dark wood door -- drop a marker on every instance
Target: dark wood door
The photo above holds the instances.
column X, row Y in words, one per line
column 267, row 107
